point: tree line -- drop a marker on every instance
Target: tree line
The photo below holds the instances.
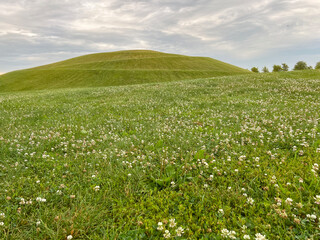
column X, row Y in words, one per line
column 301, row 65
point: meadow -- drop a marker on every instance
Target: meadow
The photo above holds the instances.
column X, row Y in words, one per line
column 233, row 157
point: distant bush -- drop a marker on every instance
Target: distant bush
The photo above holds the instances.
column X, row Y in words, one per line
column 301, row 65
column 265, row 70
column 255, row 70
column 277, row 68
column 285, row 67
column 317, row 66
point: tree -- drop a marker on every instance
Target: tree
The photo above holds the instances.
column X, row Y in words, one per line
column 285, row 67
column 277, row 68
column 317, row 66
column 255, row 70
column 301, row 65
column 265, row 70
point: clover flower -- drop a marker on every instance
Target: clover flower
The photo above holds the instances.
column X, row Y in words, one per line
column 179, row 231
column 166, row 234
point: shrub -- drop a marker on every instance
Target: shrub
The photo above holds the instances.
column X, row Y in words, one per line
column 301, row 65
column 255, row 70
column 285, row 67
column 277, row 68
column 265, row 70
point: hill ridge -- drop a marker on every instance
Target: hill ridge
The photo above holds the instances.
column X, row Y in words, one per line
column 116, row 68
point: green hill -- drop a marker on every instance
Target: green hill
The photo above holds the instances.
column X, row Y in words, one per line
column 116, row 68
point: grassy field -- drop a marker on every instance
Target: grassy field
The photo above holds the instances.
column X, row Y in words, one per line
column 116, row 68
column 233, row 157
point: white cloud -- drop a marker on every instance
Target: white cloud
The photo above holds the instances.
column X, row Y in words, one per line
column 243, row 33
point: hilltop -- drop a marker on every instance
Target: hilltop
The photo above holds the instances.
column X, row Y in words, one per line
column 116, row 68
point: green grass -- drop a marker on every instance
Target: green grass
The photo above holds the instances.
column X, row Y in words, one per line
column 116, row 68
column 196, row 151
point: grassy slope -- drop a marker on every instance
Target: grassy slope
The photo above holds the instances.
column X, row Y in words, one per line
column 116, row 68
column 181, row 132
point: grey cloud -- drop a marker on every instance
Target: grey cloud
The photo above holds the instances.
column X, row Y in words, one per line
column 35, row 32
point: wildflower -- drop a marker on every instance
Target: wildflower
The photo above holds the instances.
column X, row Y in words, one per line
column 172, row 223
column 259, row 236
column 296, row 220
column 246, row 237
column 96, row 188
column 2, row 215
column 317, row 198
column 225, row 233
column 173, row 184
column 179, row 231
column 250, row 200
column 59, row 192
column 72, row 196
column 1, row 223
column 39, row 199
column 221, row 211
column 22, row 201
column 38, row 223
column 69, row 237
column 166, row 234
column 289, row 201
column 244, row 228
column 232, row 235
column 205, row 185
column 312, row 217
column 160, row 226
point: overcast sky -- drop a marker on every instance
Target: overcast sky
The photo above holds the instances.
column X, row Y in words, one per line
column 244, row 33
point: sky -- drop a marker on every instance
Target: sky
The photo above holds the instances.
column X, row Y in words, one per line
column 244, row 33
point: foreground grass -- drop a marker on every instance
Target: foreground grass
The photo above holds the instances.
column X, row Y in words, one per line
column 217, row 155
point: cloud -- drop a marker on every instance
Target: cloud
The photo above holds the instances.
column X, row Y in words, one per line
column 243, row 33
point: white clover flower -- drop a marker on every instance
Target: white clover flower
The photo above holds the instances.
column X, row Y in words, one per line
column 38, row 223
column 317, row 198
column 205, row 185
column 232, row 235
column 312, row 217
column 244, row 228
column 1, row 223
column 259, row 236
column 160, row 226
column 166, row 234
column 96, row 188
column 59, row 192
column 2, row 215
column 221, row 211
column 246, row 237
column 38, row 199
column 69, row 237
column 43, row 200
column 225, row 233
column 179, row 231
column 289, row 201
column 173, row 184
column 250, row 200
column 172, row 223
column 22, row 201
